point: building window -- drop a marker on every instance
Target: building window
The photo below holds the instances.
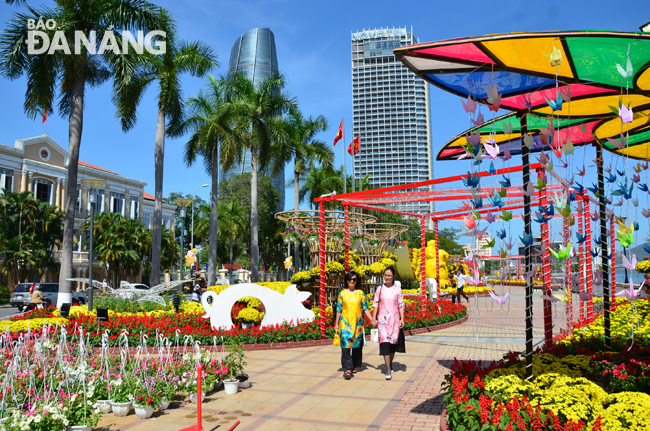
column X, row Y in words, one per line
column 135, row 208
column 117, row 203
column 43, row 190
column 146, row 218
column 165, row 222
column 6, row 180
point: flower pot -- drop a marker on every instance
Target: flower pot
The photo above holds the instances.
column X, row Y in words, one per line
column 231, row 387
column 245, row 325
column 244, row 381
column 104, row 406
column 143, row 412
column 163, row 404
column 121, row 409
column 193, row 397
column 80, row 428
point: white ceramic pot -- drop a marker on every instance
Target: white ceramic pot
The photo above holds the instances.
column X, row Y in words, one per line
column 143, row 412
column 193, row 397
column 121, row 409
column 104, row 406
column 163, row 404
column 247, row 325
column 80, row 428
column 231, row 387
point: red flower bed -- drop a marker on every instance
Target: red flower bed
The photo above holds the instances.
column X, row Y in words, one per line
column 416, row 316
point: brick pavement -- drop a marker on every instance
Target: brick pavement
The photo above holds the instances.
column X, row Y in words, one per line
column 303, row 388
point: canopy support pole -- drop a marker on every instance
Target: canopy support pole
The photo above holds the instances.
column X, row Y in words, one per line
column 604, row 253
column 581, row 268
column 612, row 232
column 437, row 261
column 527, row 251
column 423, row 258
column 567, row 266
column 590, row 272
column 321, row 255
column 546, row 275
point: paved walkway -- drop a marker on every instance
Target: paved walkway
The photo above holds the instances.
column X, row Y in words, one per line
column 303, row 388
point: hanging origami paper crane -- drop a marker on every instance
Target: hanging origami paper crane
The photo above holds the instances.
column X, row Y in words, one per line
column 509, row 244
column 581, row 239
column 506, row 216
column 541, row 218
column 555, row 57
column 501, row 233
column 506, row 155
column 479, row 120
column 468, row 257
column 643, row 187
column 472, row 281
column 493, row 99
column 499, row 299
column 478, row 202
column 630, row 293
column 489, row 244
column 507, row 128
column 527, row 239
column 629, row 264
column 472, row 180
column 623, row 189
column 620, row 144
column 528, row 141
column 625, row 235
column 470, row 222
column 557, row 104
column 628, row 72
column 562, row 254
column 502, row 253
column 470, row 106
column 491, row 169
column 636, row 178
column 492, row 151
column 490, row 217
column 496, row 200
column 578, row 188
column 646, row 213
column 569, row 148
column 506, row 182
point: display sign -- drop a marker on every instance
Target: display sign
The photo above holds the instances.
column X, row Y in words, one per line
column 371, row 34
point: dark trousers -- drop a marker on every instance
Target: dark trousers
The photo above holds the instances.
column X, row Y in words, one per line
column 353, row 360
column 459, row 291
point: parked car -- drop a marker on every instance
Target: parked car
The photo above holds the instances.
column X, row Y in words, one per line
column 20, row 296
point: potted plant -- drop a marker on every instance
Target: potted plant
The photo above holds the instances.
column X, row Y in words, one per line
column 145, row 400
column 81, row 413
column 644, row 268
column 121, row 391
column 235, row 363
column 167, row 390
column 101, row 393
column 190, row 385
column 248, row 317
column 334, row 269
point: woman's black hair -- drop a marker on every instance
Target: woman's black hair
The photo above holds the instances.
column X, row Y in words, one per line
column 349, row 276
column 391, row 269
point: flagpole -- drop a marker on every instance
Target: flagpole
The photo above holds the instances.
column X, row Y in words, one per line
column 345, row 175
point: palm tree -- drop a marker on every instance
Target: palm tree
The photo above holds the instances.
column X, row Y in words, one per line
column 195, row 58
column 319, row 181
column 257, row 108
column 211, row 125
column 233, row 220
column 299, row 143
column 67, row 76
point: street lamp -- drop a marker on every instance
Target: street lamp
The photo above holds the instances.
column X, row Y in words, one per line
column 194, row 193
column 183, row 203
column 92, row 186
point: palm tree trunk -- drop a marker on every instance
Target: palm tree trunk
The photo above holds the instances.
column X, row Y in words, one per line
column 296, row 201
column 255, row 250
column 74, row 138
column 230, row 260
column 212, row 247
column 156, row 233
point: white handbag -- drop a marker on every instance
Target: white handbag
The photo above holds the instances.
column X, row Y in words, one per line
column 374, row 335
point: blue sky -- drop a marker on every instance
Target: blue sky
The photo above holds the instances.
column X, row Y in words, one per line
column 313, row 46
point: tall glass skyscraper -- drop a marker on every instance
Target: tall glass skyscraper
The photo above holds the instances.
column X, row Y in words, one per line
column 390, row 113
column 254, row 55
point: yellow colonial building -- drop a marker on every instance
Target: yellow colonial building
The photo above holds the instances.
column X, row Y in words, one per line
column 40, row 165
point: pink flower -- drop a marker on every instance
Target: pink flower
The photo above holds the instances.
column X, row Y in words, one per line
column 149, row 400
column 139, row 397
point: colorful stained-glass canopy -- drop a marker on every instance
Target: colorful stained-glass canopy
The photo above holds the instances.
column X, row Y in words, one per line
column 519, row 66
column 506, row 132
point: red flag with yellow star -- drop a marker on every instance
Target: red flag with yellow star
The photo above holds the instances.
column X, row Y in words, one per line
column 339, row 135
column 353, row 149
